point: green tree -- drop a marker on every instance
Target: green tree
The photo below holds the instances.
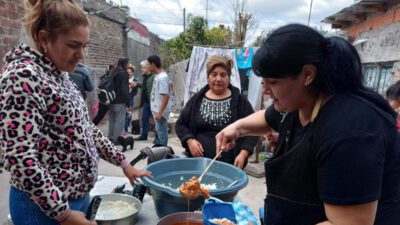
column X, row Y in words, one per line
column 219, row 36
column 197, row 33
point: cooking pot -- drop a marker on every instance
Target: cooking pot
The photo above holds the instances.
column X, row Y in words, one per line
column 181, row 218
column 126, row 220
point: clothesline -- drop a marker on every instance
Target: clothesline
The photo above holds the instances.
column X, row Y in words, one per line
column 215, row 46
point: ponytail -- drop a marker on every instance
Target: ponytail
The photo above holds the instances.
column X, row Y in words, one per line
column 342, row 72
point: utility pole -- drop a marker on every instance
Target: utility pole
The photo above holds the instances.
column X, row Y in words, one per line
column 184, row 19
column 309, row 14
column 207, row 12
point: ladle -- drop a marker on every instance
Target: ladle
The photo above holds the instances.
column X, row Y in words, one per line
column 192, row 196
column 209, row 165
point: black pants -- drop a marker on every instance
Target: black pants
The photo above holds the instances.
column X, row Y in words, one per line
column 103, row 109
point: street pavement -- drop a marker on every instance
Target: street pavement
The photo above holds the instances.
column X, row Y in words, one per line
column 252, row 195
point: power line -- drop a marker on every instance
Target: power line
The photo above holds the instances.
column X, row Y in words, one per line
column 176, row 10
column 139, row 15
column 166, row 8
column 158, row 22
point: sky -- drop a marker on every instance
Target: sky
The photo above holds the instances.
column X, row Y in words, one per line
column 165, row 17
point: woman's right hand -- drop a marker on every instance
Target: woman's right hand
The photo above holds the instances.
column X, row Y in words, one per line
column 226, row 138
column 196, row 149
column 77, row 218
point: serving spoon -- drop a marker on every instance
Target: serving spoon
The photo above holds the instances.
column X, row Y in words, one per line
column 209, row 165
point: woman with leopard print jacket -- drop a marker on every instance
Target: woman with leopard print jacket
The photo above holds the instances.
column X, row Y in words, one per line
column 49, row 144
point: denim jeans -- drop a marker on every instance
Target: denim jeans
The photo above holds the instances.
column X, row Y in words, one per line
column 162, row 131
column 128, row 120
column 146, row 114
column 24, row 211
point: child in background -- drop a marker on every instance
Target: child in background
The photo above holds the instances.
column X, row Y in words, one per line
column 133, row 89
column 393, row 96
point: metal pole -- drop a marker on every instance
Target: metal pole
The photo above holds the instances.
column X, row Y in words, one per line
column 207, row 12
column 309, row 14
column 184, row 19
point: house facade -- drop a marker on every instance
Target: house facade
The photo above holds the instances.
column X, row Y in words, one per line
column 373, row 26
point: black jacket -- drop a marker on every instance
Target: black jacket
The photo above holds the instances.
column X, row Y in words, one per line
column 146, row 88
column 186, row 125
column 121, row 86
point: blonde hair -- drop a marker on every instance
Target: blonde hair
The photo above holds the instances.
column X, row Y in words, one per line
column 54, row 16
column 131, row 67
column 218, row 60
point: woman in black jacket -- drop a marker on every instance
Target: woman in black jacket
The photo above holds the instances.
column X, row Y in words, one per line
column 214, row 107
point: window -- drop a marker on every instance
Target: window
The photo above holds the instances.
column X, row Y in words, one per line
column 378, row 76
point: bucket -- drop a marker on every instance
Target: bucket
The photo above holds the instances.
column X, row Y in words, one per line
column 170, row 174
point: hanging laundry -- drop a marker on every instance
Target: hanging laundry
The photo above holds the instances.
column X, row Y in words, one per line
column 244, row 57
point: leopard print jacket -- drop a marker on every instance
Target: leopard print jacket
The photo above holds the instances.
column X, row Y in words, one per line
column 49, row 144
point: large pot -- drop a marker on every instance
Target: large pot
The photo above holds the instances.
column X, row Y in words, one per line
column 182, row 218
column 169, row 174
column 126, row 220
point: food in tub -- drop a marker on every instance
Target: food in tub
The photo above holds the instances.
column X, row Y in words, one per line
column 192, row 189
column 111, row 210
column 211, row 186
column 222, row 221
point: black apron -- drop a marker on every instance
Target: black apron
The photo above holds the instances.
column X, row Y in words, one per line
column 291, row 175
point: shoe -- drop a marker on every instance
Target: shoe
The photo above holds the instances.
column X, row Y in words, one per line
column 140, row 139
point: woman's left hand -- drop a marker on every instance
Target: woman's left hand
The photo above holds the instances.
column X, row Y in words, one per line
column 241, row 158
column 131, row 173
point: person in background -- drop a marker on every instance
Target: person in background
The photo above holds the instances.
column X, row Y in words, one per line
column 133, row 89
column 117, row 109
column 103, row 108
column 48, row 143
column 214, row 107
column 83, row 79
column 393, row 96
column 337, row 160
column 160, row 100
column 147, row 86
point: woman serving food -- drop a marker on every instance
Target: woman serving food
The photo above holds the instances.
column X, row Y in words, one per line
column 337, row 160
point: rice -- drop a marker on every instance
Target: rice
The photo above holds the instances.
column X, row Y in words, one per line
column 111, row 210
column 223, row 221
column 212, row 186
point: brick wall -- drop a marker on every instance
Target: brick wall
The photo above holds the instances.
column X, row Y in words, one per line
column 10, row 25
column 375, row 22
column 106, row 43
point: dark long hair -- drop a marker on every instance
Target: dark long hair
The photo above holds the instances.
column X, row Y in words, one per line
column 393, row 92
column 286, row 50
column 123, row 63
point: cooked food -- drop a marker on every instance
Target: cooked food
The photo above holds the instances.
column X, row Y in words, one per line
column 192, row 189
column 112, row 210
column 212, row 186
column 222, row 221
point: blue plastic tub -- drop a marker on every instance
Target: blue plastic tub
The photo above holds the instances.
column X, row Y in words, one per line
column 217, row 210
column 170, row 174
